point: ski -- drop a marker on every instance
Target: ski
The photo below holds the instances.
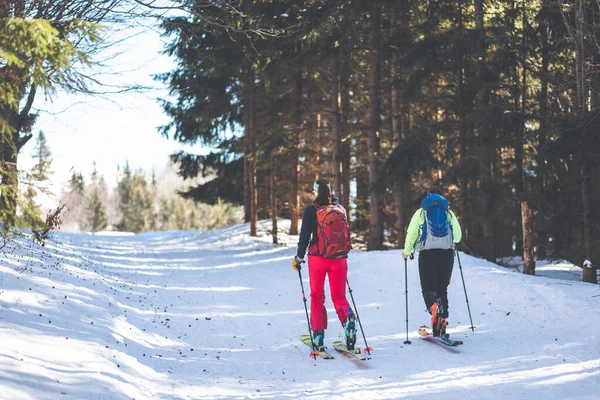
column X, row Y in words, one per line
column 341, row 347
column 426, row 334
column 323, row 354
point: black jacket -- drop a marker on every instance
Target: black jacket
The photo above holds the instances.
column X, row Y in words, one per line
column 308, row 232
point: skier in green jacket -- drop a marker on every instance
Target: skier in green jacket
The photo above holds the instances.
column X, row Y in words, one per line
column 433, row 231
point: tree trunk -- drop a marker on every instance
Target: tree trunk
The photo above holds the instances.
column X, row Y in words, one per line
column 247, row 193
column 540, row 222
column 462, row 139
column 375, row 237
column 246, row 185
column 485, row 145
column 405, row 184
column 361, row 176
column 345, row 156
column 526, row 213
column 274, row 202
column 336, row 126
column 8, row 186
column 482, row 93
column 528, row 260
column 295, row 160
column 10, row 147
column 251, row 132
column 12, row 142
column 589, row 274
column 519, row 183
column 580, row 58
column 396, row 140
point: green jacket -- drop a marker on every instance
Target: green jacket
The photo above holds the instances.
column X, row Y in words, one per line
column 414, row 230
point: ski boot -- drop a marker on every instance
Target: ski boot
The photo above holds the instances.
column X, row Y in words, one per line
column 318, row 339
column 350, row 330
column 438, row 319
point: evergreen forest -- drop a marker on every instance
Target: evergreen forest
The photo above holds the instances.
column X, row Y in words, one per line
column 495, row 100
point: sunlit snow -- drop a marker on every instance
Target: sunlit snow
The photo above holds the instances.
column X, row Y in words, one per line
column 189, row 315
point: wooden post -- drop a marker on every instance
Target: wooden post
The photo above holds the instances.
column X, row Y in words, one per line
column 589, row 272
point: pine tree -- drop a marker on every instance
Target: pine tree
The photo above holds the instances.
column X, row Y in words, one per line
column 181, row 219
column 31, row 213
column 43, row 157
column 136, row 203
column 77, row 182
column 42, row 48
column 166, row 214
column 496, row 101
column 94, row 176
column 73, row 196
column 95, row 212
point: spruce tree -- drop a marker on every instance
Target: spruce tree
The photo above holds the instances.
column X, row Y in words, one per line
column 31, row 213
column 43, row 49
column 180, row 214
column 95, row 212
column 77, row 183
column 73, row 196
column 496, row 101
column 43, row 156
column 135, row 202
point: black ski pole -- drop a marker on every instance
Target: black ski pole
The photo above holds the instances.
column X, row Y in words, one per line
column 406, row 296
column 312, row 354
column 465, row 288
column 367, row 349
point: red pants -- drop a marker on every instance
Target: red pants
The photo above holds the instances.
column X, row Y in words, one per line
column 337, row 269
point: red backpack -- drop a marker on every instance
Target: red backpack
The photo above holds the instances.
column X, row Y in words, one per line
column 333, row 233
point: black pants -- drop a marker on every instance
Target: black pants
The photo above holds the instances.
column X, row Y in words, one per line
column 435, row 271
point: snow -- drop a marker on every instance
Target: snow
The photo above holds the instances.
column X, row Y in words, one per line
column 218, row 314
column 560, row 269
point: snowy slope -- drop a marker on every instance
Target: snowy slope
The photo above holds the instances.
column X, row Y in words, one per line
column 187, row 315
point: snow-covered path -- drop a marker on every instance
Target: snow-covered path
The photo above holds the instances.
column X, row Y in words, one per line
column 186, row 315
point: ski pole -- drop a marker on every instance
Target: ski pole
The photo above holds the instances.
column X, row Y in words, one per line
column 465, row 288
column 313, row 354
column 367, row 349
column 406, row 296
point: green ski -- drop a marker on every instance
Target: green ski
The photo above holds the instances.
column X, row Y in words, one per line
column 341, row 347
column 323, row 354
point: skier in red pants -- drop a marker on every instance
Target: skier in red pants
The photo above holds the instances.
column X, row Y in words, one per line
column 325, row 233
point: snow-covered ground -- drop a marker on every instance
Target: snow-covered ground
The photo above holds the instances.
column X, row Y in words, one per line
column 559, row 269
column 188, row 315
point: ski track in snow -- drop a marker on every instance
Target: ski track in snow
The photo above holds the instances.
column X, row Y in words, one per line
column 191, row 315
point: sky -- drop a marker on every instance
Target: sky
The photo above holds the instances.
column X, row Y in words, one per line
column 109, row 130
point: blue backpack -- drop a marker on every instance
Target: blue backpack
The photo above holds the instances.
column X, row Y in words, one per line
column 437, row 229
